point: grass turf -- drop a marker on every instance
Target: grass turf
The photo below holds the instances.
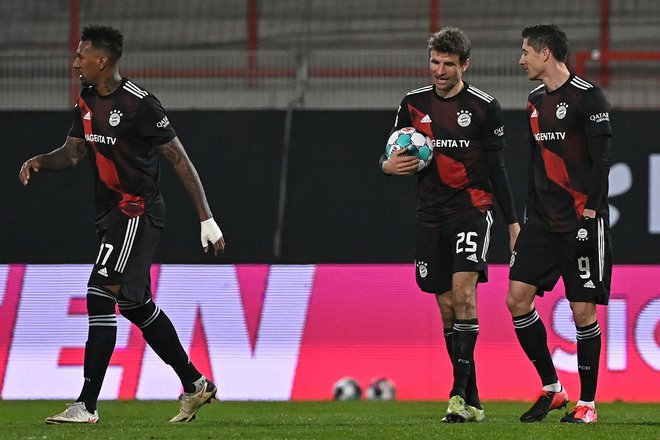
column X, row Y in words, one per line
column 321, row 420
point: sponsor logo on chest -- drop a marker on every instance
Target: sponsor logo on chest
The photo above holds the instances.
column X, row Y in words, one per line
column 451, row 143
column 550, row 136
column 100, row 139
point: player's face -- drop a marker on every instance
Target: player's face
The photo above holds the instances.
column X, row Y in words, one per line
column 447, row 72
column 533, row 62
column 88, row 63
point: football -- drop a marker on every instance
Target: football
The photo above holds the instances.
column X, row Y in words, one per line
column 381, row 389
column 416, row 142
column 346, row 388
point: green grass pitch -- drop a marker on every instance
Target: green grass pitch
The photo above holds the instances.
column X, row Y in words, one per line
column 127, row 420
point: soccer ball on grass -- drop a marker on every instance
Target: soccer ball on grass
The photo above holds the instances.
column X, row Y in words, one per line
column 381, row 389
column 346, row 388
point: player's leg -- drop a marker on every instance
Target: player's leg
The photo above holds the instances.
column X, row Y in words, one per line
column 159, row 332
column 534, row 270
column 103, row 287
column 588, row 354
column 136, row 305
column 101, row 337
column 587, row 275
column 469, row 251
column 473, row 404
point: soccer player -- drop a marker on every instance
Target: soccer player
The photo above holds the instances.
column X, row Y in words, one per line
column 123, row 127
column 455, row 200
column 567, row 229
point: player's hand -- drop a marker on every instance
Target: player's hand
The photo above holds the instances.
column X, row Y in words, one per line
column 33, row 164
column 400, row 165
column 514, row 230
column 211, row 232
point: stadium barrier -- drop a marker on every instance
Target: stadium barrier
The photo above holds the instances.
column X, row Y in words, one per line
column 283, row 332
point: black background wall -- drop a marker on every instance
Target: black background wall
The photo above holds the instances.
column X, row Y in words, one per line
column 340, row 207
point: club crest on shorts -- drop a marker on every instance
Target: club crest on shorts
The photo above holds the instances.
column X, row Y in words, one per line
column 582, row 234
column 422, row 269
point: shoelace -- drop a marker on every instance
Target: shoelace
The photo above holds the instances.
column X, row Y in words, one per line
column 581, row 411
column 542, row 393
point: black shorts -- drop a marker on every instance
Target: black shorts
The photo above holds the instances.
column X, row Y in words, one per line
column 541, row 257
column 127, row 249
column 456, row 247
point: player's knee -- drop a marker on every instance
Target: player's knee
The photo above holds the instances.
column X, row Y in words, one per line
column 100, row 302
column 520, row 299
column 584, row 313
column 139, row 314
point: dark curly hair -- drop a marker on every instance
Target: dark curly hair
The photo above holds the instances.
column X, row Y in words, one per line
column 451, row 40
column 106, row 38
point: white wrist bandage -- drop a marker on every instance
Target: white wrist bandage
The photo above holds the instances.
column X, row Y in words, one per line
column 210, row 232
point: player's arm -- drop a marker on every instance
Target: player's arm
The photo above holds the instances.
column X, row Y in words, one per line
column 499, row 178
column 185, row 170
column 398, row 164
column 67, row 156
column 598, row 132
column 599, row 152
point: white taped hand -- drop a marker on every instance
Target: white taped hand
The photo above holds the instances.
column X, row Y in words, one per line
column 210, row 232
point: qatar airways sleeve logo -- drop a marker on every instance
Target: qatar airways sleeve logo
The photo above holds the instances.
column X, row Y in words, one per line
column 599, row 117
column 163, row 123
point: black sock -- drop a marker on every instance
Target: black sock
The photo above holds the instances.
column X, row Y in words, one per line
column 163, row 339
column 534, row 342
column 471, row 392
column 101, row 338
column 588, row 353
column 464, row 339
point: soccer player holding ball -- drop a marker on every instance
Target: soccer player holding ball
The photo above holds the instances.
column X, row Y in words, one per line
column 455, row 199
column 124, row 128
column 567, row 229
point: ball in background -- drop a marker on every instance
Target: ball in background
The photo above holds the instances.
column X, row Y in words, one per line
column 346, row 388
column 381, row 389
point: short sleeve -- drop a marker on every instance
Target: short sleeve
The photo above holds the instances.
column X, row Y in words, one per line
column 153, row 124
column 596, row 112
column 402, row 115
column 493, row 130
column 77, row 130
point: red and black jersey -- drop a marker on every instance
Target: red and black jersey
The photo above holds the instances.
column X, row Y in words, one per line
column 562, row 122
column 463, row 128
column 122, row 131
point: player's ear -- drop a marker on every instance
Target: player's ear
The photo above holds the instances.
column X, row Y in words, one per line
column 465, row 65
column 103, row 62
column 545, row 53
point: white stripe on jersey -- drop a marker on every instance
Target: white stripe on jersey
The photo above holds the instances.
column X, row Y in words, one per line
column 480, row 93
column 542, row 85
column 577, row 80
column 420, row 90
column 580, row 84
column 131, row 229
column 135, row 90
